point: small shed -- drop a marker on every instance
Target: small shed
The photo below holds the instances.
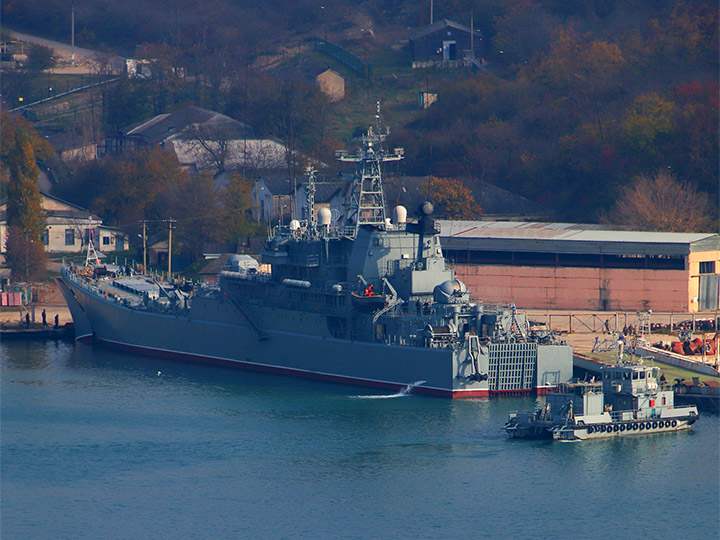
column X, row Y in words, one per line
column 446, row 42
column 332, row 84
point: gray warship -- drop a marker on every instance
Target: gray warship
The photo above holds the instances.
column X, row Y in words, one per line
column 369, row 301
column 627, row 401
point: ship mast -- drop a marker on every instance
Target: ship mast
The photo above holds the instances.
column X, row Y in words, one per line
column 311, row 220
column 367, row 201
column 92, row 257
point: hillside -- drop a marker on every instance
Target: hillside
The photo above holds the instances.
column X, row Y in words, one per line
column 578, row 99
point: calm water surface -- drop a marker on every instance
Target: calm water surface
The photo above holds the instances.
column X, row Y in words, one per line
column 99, row 444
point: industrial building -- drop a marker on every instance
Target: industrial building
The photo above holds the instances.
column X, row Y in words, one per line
column 584, row 267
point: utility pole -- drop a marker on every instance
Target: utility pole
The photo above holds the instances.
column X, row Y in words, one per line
column 72, row 34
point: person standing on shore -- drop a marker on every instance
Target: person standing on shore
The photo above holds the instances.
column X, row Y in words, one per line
column 27, row 321
column 44, row 318
column 57, row 321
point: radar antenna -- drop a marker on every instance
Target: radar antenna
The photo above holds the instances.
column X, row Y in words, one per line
column 367, row 201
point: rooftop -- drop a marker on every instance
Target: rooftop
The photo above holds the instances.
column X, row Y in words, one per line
column 571, row 237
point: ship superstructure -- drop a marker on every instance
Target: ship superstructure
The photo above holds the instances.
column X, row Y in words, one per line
column 369, row 301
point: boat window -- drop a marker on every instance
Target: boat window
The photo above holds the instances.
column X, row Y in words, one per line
column 636, row 375
column 663, row 401
column 626, row 375
column 642, row 374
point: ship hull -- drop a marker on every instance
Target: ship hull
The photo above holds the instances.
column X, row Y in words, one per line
column 219, row 338
column 623, row 429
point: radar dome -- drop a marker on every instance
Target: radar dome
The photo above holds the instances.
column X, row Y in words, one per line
column 324, row 216
column 427, row 208
column 450, row 291
column 294, row 225
column 400, row 214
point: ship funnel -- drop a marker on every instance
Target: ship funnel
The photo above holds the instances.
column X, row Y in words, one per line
column 324, row 216
column 400, row 214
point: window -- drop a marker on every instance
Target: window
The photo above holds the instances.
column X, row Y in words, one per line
column 707, row 267
column 46, row 237
column 106, row 241
column 69, row 237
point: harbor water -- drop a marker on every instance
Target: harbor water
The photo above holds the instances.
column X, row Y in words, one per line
column 101, row 444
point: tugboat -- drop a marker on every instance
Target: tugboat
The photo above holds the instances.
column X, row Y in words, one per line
column 628, row 401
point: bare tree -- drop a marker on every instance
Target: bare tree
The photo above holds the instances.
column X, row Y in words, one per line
column 661, row 202
column 211, row 143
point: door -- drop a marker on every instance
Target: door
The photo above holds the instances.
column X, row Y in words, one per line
column 709, row 288
column 449, row 50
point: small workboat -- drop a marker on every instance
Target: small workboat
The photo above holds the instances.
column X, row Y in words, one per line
column 627, row 401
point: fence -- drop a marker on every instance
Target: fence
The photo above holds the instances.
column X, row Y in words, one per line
column 635, row 322
column 343, row 55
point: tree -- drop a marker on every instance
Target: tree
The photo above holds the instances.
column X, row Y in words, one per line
column 661, row 202
column 40, row 58
column 647, row 121
column 236, row 201
column 211, row 142
column 194, row 202
column 451, row 198
column 128, row 102
column 26, row 218
column 25, row 256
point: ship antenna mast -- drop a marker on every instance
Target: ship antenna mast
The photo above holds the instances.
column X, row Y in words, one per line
column 92, row 255
column 367, row 201
column 312, row 221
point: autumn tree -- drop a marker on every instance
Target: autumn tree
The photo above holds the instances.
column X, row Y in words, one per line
column 25, row 215
column 661, row 202
column 451, row 198
column 236, row 202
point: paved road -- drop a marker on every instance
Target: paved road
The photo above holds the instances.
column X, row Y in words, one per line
column 85, row 59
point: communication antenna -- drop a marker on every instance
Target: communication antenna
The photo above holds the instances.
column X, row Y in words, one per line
column 312, row 222
column 367, row 201
column 92, row 256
